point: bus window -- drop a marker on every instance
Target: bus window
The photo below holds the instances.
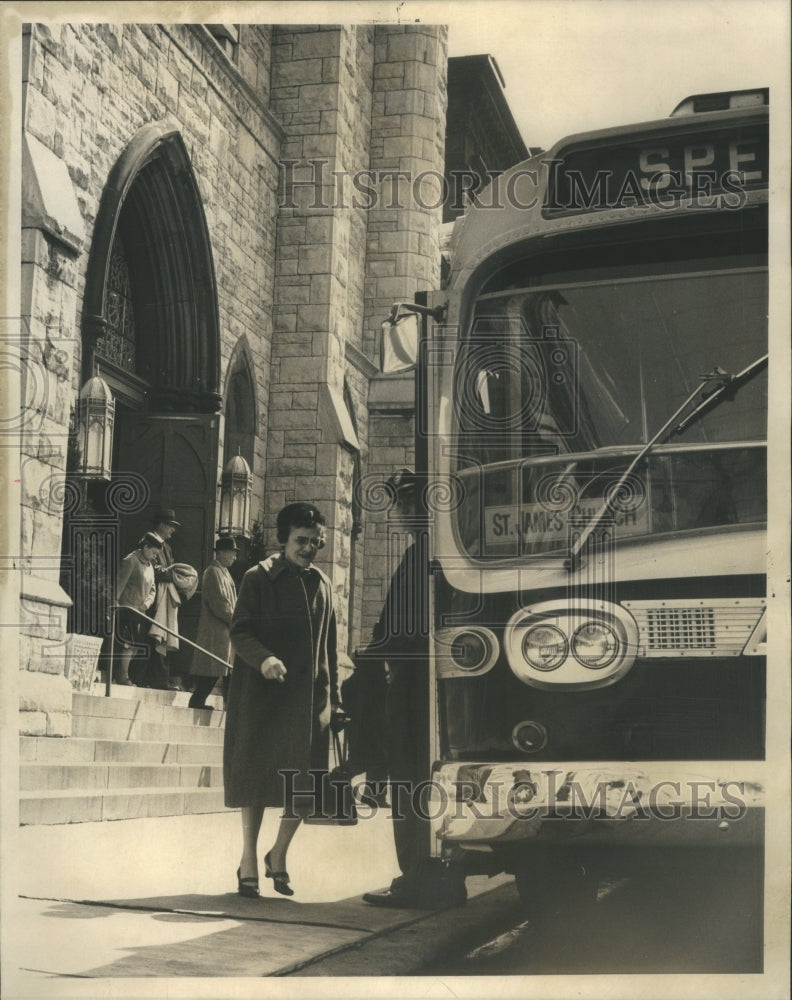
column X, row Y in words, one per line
column 568, row 381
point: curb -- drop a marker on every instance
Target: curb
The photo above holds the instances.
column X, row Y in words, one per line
column 409, row 947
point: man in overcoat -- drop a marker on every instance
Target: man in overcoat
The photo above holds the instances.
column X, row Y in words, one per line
column 218, row 598
column 401, row 638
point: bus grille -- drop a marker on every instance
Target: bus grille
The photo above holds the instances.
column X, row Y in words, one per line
column 680, row 628
column 719, row 627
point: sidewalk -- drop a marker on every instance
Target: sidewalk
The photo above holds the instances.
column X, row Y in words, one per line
column 156, row 899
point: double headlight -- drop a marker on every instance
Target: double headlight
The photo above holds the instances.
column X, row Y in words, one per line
column 586, row 644
column 594, row 644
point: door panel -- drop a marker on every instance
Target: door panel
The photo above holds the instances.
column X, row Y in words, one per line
column 177, row 457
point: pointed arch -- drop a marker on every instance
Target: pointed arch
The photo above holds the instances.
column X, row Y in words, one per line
column 151, row 202
column 241, row 407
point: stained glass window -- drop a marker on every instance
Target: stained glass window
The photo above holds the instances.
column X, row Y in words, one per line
column 117, row 345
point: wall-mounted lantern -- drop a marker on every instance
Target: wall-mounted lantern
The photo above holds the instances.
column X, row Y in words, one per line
column 236, row 489
column 95, row 418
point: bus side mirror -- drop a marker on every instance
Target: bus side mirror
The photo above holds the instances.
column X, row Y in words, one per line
column 399, row 344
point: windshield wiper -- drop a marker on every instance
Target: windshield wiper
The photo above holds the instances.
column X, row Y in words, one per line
column 728, row 389
column 730, row 385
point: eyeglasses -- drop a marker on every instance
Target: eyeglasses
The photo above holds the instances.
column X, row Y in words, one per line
column 315, row 543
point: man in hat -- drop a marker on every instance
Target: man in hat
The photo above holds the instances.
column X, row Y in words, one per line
column 164, row 524
column 401, row 639
column 218, row 598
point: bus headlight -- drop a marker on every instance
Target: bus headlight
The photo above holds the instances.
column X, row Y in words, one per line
column 595, row 645
column 545, row 647
column 581, row 644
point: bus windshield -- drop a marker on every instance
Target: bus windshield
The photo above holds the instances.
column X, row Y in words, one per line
column 563, row 378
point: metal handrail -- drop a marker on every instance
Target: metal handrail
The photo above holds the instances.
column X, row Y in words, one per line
column 181, row 638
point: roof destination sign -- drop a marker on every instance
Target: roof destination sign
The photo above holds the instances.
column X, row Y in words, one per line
column 711, row 168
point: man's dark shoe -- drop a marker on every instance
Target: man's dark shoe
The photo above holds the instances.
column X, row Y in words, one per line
column 394, row 900
column 409, row 901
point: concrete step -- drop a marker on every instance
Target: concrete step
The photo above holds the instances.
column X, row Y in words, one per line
column 137, row 753
column 100, row 727
column 101, row 804
column 143, row 714
column 145, row 709
column 84, row 750
column 130, row 692
column 51, row 777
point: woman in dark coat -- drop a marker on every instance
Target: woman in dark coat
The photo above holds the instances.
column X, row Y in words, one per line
column 283, row 691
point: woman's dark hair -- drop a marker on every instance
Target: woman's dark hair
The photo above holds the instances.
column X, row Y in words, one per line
column 297, row 515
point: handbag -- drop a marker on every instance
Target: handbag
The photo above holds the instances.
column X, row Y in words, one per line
column 337, row 806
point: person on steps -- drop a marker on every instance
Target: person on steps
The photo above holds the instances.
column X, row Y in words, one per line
column 218, row 598
column 136, row 590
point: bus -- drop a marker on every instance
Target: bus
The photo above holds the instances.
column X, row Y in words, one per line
column 591, row 420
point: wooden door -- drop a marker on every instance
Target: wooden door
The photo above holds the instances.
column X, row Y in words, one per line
column 177, row 457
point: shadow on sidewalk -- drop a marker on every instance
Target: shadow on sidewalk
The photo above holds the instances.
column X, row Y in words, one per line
column 351, row 913
column 257, row 937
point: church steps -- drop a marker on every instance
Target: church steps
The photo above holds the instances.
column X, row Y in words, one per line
column 85, row 750
column 135, row 754
column 91, row 806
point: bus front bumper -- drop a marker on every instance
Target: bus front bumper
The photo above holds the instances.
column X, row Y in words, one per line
column 485, row 806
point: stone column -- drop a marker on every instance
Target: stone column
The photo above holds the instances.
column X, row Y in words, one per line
column 321, row 94
column 403, row 255
column 52, row 237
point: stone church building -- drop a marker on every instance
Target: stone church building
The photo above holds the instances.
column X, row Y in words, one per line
column 216, row 221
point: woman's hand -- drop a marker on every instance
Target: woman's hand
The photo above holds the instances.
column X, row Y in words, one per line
column 272, row 669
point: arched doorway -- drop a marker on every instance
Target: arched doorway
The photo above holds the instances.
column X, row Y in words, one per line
column 150, row 328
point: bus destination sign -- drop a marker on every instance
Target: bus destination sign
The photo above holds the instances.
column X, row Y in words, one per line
column 714, row 169
column 534, row 524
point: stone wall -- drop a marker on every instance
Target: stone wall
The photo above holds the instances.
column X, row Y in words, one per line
column 356, row 103
column 408, row 139
column 305, row 275
column 90, row 89
column 321, row 94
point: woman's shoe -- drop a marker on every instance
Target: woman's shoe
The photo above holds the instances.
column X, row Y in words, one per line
column 280, row 880
column 247, row 886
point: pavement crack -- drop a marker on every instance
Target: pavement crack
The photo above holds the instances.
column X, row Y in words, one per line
column 208, row 914
column 54, row 975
